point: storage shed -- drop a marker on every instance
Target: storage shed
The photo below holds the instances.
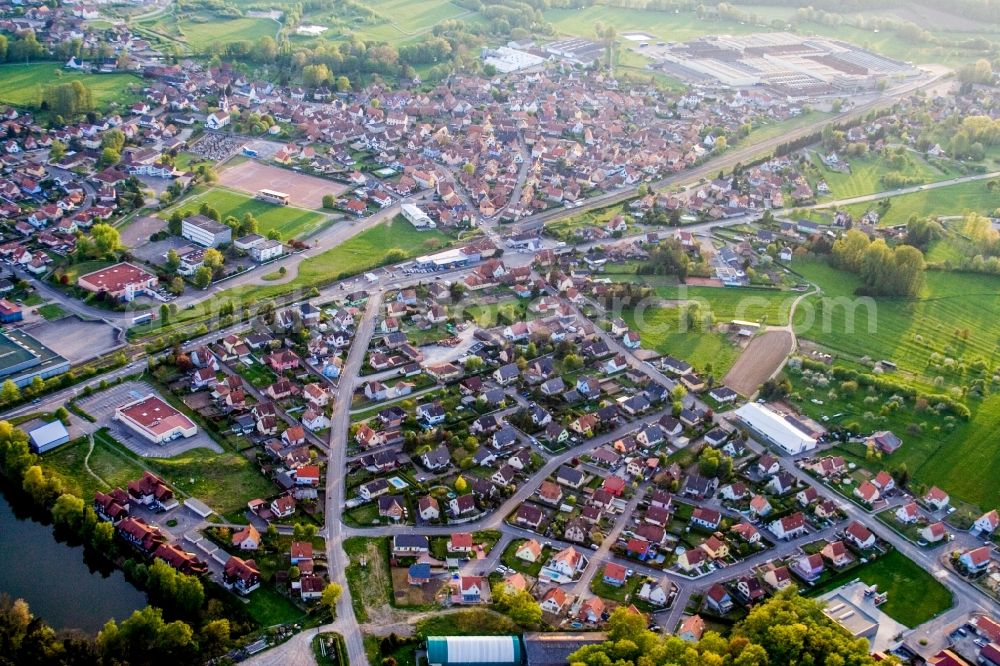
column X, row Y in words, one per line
column 474, row 651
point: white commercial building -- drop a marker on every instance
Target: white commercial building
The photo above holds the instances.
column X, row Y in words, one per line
column 784, row 431
column 267, row 250
column 507, row 60
column 417, row 217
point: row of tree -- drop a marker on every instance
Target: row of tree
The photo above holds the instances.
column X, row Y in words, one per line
column 786, row 629
column 884, row 270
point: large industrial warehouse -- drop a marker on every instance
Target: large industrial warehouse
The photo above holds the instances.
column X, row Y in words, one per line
column 474, row 651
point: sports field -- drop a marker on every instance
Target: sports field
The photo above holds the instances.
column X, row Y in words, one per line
column 21, row 85
column 304, row 191
column 290, row 222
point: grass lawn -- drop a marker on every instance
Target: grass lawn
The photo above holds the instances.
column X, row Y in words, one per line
column 487, row 316
column 268, row 608
column 32, row 300
column 914, row 595
column 73, row 271
column 509, row 559
column 618, row 594
column 370, row 583
column 21, row 85
column 565, row 227
column 288, row 221
column 951, row 200
column 52, row 311
column 257, row 374
column 660, row 328
column 225, row 481
column 185, row 159
column 67, row 462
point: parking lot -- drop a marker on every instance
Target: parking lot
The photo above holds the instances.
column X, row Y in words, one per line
column 102, row 406
column 75, row 339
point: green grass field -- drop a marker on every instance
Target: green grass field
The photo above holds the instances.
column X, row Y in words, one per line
column 225, row 481
column 21, row 85
column 914, row 595
column 769, row 306
column 962, row 457
column 407, row 18
column 288, row 221
column 660, row 328
column 951, row 200
column 866, row 176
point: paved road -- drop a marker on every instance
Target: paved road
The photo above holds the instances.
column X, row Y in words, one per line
column 340, row 423
column 906, row 190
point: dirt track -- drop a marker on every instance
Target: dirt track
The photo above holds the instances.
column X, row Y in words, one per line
column 759, row 360
column 303, row 190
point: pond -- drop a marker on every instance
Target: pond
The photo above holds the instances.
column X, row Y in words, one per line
column 63, row 584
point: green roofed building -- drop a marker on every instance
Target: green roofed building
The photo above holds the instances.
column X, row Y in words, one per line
column 474, row 651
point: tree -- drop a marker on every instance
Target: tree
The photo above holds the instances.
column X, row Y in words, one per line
column 461, row 485
column 109, row 157
column 203, row 277
column 331, row 595
column 329, row 201
column 213, row 259
column 314, row 76
column 343, row 84
column 174, row 223
column 106, row 239
column 68, row 511
column 721, row 144
column 113, row 139
column 173, row 261
column 519, row 605
column 57, row 151
column 9, row 392
column 176, row 286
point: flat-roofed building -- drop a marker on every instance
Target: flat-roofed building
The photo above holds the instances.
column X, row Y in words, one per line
column 22, row 358
column 205, row 231
column 122, row 281
column 155, row 420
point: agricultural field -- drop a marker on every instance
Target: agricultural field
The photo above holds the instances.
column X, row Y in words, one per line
column 200, row 30
column 950, row 200
column 288, row 221
column 21, row 85
column 954, row 317
column 914, row 595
